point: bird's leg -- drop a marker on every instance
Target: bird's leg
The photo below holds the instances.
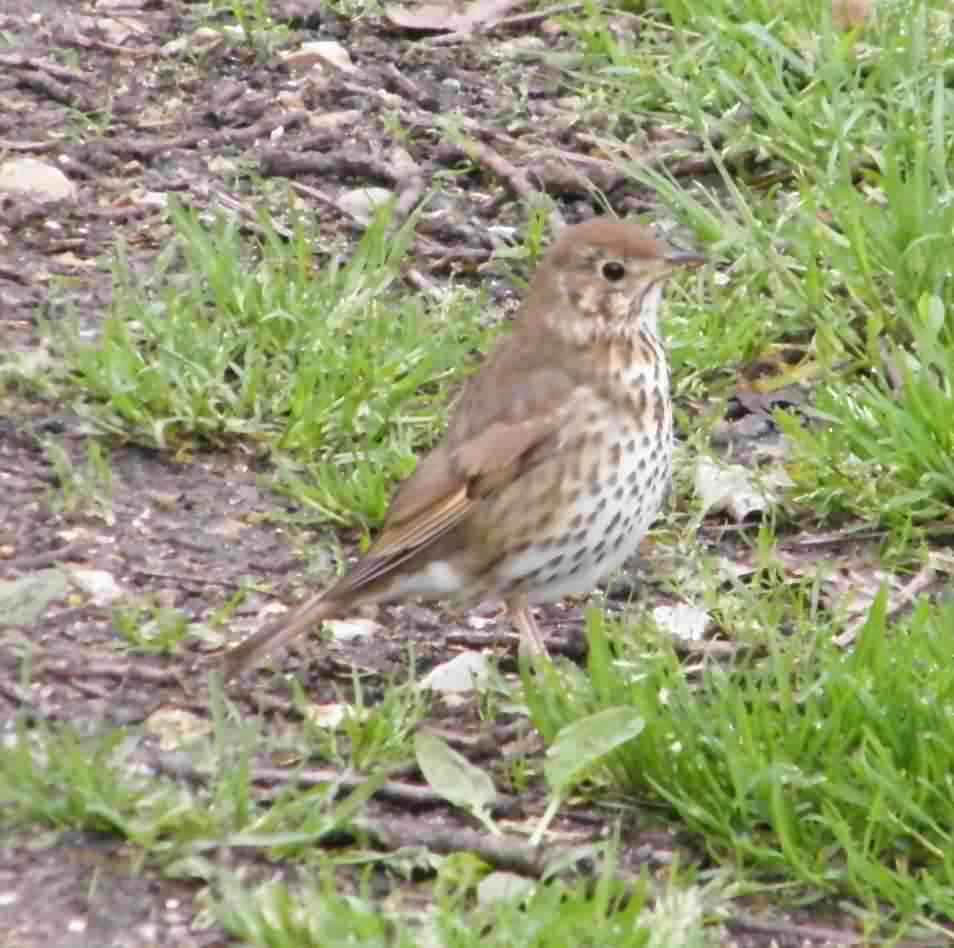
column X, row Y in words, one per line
column 531, row 638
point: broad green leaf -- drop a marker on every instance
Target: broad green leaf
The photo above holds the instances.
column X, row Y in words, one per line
column 582, row 744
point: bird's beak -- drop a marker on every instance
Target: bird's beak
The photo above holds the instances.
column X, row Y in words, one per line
column 685, row 258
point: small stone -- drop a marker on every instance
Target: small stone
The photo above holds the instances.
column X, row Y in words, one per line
column 319, row 53
column 39, row 179
column 361, row 203
column 463, row 673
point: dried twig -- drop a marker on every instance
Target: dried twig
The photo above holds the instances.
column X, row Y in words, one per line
column 146, row 149
column 34, row 561
column 38, row 148
column 505, row 851
column 55, row 90
column 347, row 162
column 29, row 63
column 504, row 23
column 515, row 179
column 409, row 795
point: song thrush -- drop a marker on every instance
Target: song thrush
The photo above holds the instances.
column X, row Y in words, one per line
column 557, row 457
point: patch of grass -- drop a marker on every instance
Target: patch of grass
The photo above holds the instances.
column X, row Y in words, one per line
column 333, row 371
column 259, row 30
column 815, row 764
column 557, row 912
column 880, row 452
column 151, row 629
column 56, row 777
column 86, row 489
column 371, row 733
column 61, row 779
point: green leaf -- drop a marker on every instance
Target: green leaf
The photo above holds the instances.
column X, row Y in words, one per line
column 584, row 743
column 451, row 775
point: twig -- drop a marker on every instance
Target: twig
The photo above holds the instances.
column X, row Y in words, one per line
column 410, row 795
column 18, row 697
column 505, row 851
column 504, row 23
column 853, row 534
column 48, row 557
column 896, row 603
column 15, row 276
column 80, row 662
column 19, row 61
column 186, row 580
column 346, row 162
column 742, row 922
column 513, row 178
column 487, row 744
column 149, row 148
column 249, row 218
column 36, row 147
column 55, row 90
column 84, row 42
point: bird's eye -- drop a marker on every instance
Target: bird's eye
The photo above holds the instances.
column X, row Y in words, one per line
column 613, row 271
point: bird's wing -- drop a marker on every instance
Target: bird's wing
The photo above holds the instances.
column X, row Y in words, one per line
column 451, row 480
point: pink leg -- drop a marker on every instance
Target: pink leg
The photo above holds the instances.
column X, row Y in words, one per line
column 531, row 638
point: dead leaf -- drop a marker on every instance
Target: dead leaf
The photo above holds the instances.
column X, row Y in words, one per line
column 463, row 674
column 452, row 17
column 729, row 488
column 682, row 622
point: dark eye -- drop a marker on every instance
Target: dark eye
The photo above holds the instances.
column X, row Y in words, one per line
column 613, row 271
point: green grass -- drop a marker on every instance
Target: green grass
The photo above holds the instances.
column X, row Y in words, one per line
column 330, row 370
column 826, row 767
column 831, row 213
column 559, row 913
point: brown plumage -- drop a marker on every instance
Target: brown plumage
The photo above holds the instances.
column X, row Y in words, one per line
column 557, row 457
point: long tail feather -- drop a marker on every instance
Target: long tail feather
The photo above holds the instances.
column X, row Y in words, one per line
column 272, row 637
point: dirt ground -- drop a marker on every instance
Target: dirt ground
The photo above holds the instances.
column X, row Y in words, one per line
column 135, row 100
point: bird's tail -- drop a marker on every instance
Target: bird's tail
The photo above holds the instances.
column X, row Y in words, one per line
column 274, row 636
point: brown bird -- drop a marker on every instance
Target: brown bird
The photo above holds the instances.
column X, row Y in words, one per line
column 557, row 457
